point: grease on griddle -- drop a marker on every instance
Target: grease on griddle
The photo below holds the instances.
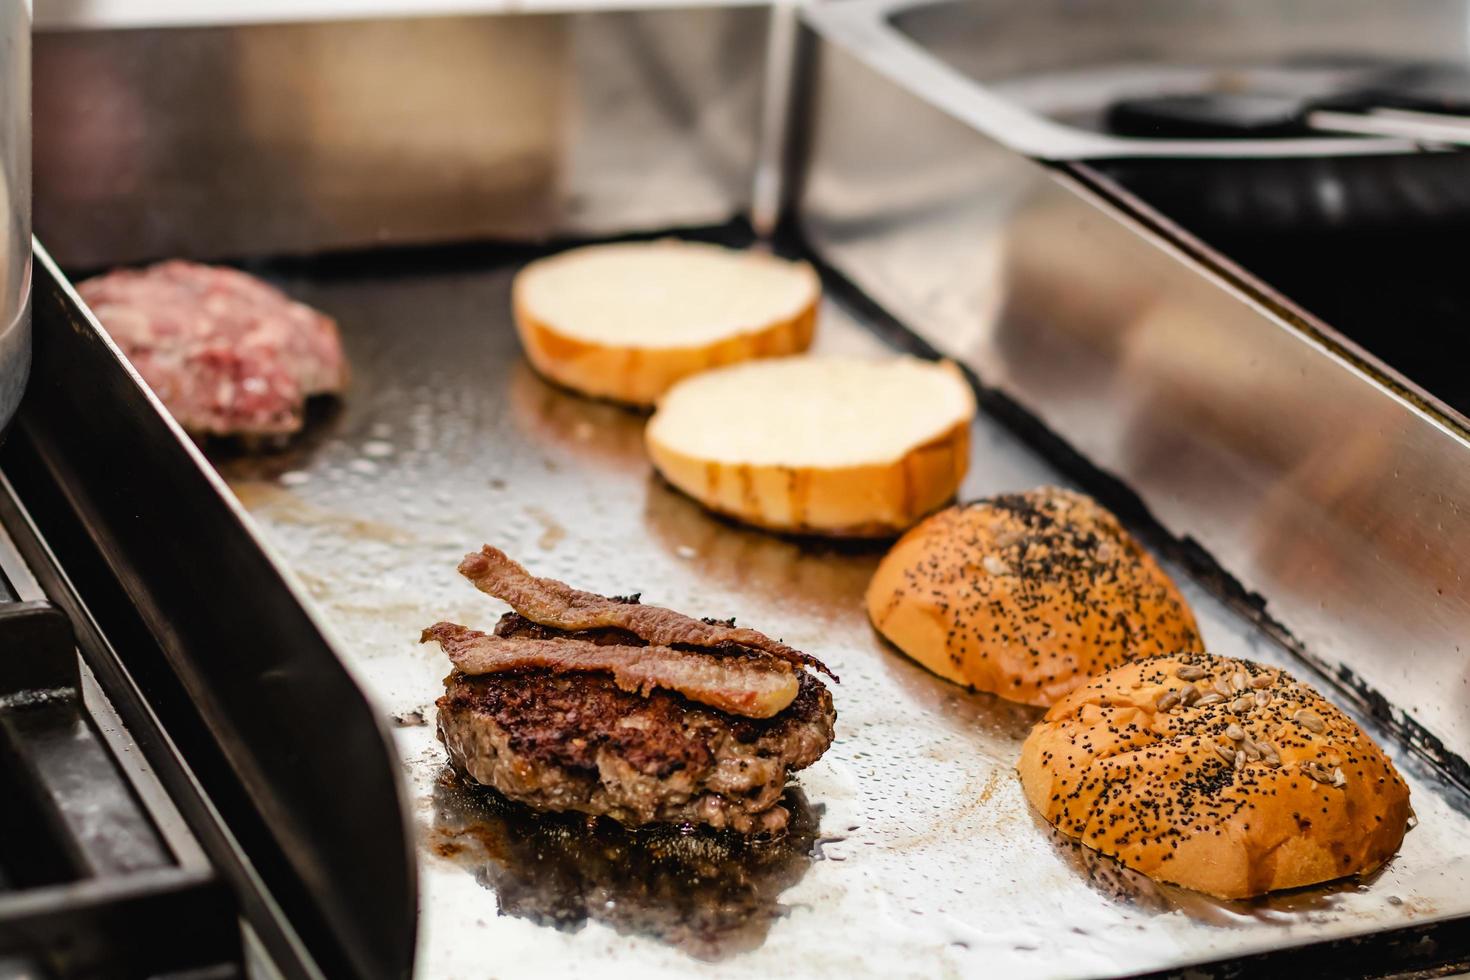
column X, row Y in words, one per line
column 812, row 572
column 244, row 458
column 708, row 893
column 1120, row 883
column 603, row 434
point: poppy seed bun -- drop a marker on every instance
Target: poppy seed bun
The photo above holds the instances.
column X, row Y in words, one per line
column 1027, row 595
column 1221, row 775
column 626, row 321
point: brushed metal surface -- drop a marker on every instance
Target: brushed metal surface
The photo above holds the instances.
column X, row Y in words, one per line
column 291, row 138
column 927, row 862
column 1310, row 472
column 15, row 205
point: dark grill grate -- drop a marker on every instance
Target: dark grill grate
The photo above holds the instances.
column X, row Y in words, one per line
column 88, row 885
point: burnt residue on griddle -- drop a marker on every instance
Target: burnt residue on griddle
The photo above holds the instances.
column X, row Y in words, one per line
column 711, row 894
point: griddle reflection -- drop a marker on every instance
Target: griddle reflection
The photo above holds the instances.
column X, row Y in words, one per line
column 1004, row 724
column 823, row 576
column 1122, row 884
column 709, row 894
column 593, row 431
column 244, row 458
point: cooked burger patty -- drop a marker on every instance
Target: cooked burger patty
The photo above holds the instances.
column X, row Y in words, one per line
column 578, row 742
column 226, row 353
column 603, row 705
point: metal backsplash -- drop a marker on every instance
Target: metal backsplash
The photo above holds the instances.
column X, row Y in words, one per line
column 296, row 138
column 1305, row 469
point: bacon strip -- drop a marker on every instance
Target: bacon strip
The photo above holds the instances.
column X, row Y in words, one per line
column 756, row 687
column 552, row 603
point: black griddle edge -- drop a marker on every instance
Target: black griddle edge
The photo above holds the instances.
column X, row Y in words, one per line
column 267, row 746
column 93, row 882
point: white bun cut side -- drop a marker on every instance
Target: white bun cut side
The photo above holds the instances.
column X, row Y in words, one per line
column 836, row 446
column 627, row 321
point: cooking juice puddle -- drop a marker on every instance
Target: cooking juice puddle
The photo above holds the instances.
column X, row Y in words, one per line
column 709, row 894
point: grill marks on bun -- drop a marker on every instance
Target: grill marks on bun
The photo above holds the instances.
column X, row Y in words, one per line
column 628, row 320
column 829, row 445
column 1217, row 774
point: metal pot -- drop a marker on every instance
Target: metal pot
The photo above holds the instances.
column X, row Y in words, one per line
column 15, row 204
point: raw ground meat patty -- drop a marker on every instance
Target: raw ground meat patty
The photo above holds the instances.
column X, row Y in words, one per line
column 226, row 353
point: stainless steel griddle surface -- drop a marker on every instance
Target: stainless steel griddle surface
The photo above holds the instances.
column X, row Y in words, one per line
column 913, row 852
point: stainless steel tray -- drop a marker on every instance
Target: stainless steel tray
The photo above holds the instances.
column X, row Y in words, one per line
column 295, row 137
column 916, row 855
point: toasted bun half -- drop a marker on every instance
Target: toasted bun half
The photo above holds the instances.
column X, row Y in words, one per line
column 628, row 320
column 818, row 445
column 1027, row 595
column 1221, row 775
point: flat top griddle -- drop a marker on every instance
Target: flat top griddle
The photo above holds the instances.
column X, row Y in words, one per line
column 914, row 852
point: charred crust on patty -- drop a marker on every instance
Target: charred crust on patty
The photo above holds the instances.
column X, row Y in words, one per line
column 540, row 713
column 567, row 721
column 565, row 742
